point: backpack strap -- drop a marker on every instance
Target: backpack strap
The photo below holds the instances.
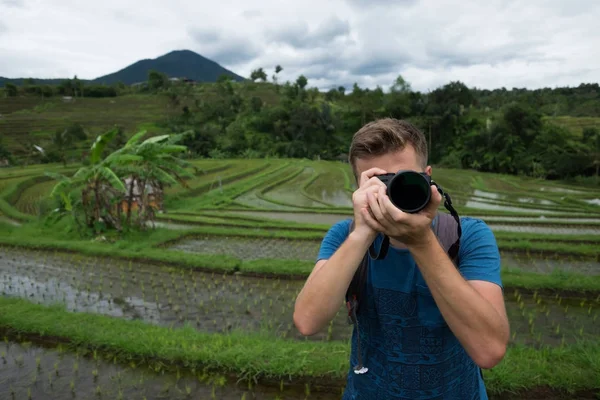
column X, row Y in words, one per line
column 446, row 230
column 356, row 287
column 447, row 236
column 357, row 284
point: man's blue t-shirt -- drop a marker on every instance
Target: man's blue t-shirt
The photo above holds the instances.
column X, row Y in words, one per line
column 408, row 348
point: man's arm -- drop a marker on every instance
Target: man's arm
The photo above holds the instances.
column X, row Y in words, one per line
column 474, row 310
column 325, row 289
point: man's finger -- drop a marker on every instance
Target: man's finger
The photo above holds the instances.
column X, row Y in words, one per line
column 394, row 212
column 368, row 174
column 372, row 199
column 373, row 182
column 371, row 187
column 434, row 203
column 385, row 212
column 371, row 222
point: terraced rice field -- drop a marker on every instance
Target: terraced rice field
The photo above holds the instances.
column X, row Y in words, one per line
column 261, row 215
column 30, row 371
column 29, row 119
column 219, row 303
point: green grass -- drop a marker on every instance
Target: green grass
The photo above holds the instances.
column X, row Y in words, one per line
column 215, row 218
column 243, row 176
column 553, row 282
column 260, row 356
column 250, row 355
column 147, row 247
column 31, row 198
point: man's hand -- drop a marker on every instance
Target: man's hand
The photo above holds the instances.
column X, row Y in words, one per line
column 410, row 229
column 369, row 185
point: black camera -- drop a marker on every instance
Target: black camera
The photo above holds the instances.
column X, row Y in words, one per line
column 410, row 191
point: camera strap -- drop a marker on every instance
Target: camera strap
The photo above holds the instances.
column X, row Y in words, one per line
column 454, row 248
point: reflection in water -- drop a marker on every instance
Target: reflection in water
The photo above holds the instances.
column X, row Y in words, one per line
column 530, row 200
column 481, row 196
column 554, row 230
column 497, row 207
column 306, row 218
column 31, row 372
column 212, row 302
column 337, row 198
column 251, row 248
column 540, row 218
column 251, row 199
column 290, row 193
column 559, row 190
column 328, row 220
column 55, row 291
column 489, row 195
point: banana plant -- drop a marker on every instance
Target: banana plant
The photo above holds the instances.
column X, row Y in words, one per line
column 99, row 186
column 106, row 184
column 149, row 167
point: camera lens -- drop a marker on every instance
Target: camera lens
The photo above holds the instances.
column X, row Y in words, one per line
column 409, row 191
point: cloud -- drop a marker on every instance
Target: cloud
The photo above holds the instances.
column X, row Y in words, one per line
column 251, row 13
column 223, row 47
column 300, row 35
column 335, row 43
column 379, row 3
column 13, row 3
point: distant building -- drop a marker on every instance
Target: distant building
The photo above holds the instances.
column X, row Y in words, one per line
column 153, row 193
column 183, row 79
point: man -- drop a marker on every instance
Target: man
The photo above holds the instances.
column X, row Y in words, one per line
column 427, row 328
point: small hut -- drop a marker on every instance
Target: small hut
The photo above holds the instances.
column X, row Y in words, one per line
column 152, row 191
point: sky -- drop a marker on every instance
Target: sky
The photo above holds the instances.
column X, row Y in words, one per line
column 484, row 44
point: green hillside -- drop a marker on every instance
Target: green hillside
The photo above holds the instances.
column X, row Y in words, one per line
column 576, row 124
column 467, row 128
column 28, row 120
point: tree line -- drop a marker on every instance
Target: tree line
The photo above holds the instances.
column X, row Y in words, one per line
column 68, row 87
column 501, row 130
column 493, row 131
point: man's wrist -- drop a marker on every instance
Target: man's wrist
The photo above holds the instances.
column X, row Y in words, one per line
column 425, row 244
column 362, row 236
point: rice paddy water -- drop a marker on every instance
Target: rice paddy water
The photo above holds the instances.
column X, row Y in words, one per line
column 543, row 228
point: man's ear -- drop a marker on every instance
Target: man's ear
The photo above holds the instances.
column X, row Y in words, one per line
column 428, row 170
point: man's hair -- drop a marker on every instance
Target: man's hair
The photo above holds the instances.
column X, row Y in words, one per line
column 385, row 136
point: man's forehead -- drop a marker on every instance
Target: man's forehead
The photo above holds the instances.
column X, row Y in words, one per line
column 392, row 161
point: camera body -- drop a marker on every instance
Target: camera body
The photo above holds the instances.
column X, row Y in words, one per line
column 410, row 191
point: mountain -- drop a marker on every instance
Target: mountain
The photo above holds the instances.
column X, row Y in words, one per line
column 179, row 63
